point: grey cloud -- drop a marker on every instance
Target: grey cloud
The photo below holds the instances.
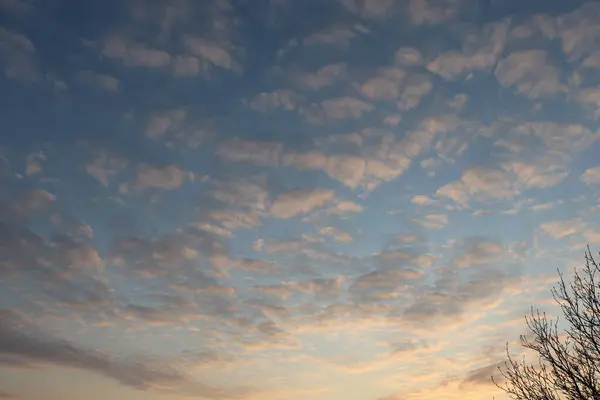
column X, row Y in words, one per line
column 481, row 376
column 488, row 269
column 153, row 257
column 19, row 349
column 17, row 53
column 382, row 285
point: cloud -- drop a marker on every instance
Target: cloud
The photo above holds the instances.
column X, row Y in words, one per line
column 250, row 193
column 481, row 52
column 373, row 9
column 241, row 150
column 160, row 123
column 336, row 234
column 102, row 81
column 234, row 220
column 433, row 221
column 397, row 84
column 537, row 176
column 476, row 252
column 375, row 163
column 135, row 54
column 151, row 257
column 384, row 86
column 414, row 91
column 481, row 376
column 563, row 228
column 333, row 175
column 213, row 53
column 20, row 349
column 17, row 53
column 32, row 201
column 323, row 77
column 430, row 12
column 381, row 285
column 422, row 200
column 33, row 163
column 267, row 101
column 300, row 201
column 481, row 184
column 299, row 247
column 168, row 177
column 530, row 73
column 578, row 31
column 336, row 109
column 177, row 127
column 590, row 98
column 591, row 176
column 186, row 66
column 333, row 36
column 408, row 57
column 104, row 166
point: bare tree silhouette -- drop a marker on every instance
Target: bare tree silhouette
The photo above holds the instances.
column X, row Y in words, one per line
column 569, row 361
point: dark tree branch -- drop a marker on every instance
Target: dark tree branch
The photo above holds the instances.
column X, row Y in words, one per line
column 569, row 363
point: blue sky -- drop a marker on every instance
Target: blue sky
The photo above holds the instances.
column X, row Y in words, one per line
column 277, row 199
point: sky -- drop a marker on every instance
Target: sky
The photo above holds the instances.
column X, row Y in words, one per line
column 282, row 200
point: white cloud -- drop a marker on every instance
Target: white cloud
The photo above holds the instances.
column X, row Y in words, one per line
column 433, row 221
column 233, row 220
column 240, row 150
column 102, row 81
column 160, row 123
column 386, row 85
column 422, row 200
column 417, row 87
column 397, row 84
column 336, row 234
column 213, row 53
column 267, row 101
column 168, row 177
column 300, row 201
column 530, row 72
column 563, row 228
column 590, row 98
column 539, row 175
column 431, row 12
column 349, row 170
column 324, row 76
column 135, row 54
column 250, row 193
column 591, row 175
column 336, row 109
column 104, row 165
column 33, row 200
column 408, row 57
column 341, row 207
column 479, row 183
column 480, row 52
